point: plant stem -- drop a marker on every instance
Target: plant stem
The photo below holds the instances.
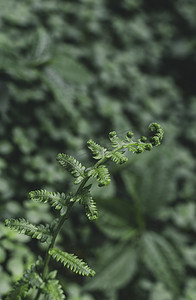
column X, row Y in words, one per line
column 56, row 232
column 60, row 224
column 102, row 160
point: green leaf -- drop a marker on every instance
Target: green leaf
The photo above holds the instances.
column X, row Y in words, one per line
column 33, row 279
column 53, row 290
column 41, row 48
column 39, row 232
column 171, row 255
column 98, row 151
column 160, row 291
column 117, row 270
column 30, row 279
column 118, row 157
column 86, row 199
column 19, row 291
column 62, row 92
column 102, row 175
column 32, row 276
column 116, row 141
column 70, row 69
column 162, row 260
column 52, row 274
column 115, row 226
column 73, row 166
column 56, row 200
column 72, row 262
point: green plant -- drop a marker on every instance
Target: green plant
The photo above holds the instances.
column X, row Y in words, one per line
column 38, row 276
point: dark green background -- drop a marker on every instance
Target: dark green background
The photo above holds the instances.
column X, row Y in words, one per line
column 74, row 70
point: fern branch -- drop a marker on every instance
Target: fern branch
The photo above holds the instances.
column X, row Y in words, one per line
column 73, row 166
column 19, row 291
column 118, row 157
column 72, row 262
column 30, row 278
column 86, row 199
column 40, row 232
column 101, row 173
column 97, row 150
column 53, row 290
column 135, row 147
column 115, row 140
column 56, row 200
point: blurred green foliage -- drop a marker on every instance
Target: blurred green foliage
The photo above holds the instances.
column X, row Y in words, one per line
column 75, row 70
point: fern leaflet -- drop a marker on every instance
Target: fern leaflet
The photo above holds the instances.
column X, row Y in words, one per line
column 73, row 166
column 32, row 276
column 86, row 199
column 56, row 200
column 72, row 262
column 34, row 279
column 102, row 174
column 116, row 141
column 40, row 232
column 98, row 151
column 30, row 279
column 53, row 290
column 117, row 157
column 19, row 291
column 158, row 133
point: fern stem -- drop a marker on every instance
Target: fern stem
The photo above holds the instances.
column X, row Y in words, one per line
column 58, row 229
column 102, row 160
column 60, row 224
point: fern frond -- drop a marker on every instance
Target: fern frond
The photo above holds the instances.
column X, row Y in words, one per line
column 72, row 262
column 30, row 279
column 86, row 199
column 53, row 290
column 73, row 166
column 56, row 200
column 136, row 147
column 157, row 130
column 117, row 157
column 19, row 291
column 116, row 141
column 102, row 175
column 52, row 275
column 34, row 279
column 97, row 150
column 31, row 275
column 40, row 232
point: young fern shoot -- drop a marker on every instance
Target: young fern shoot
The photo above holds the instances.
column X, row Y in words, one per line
column 38, row 276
